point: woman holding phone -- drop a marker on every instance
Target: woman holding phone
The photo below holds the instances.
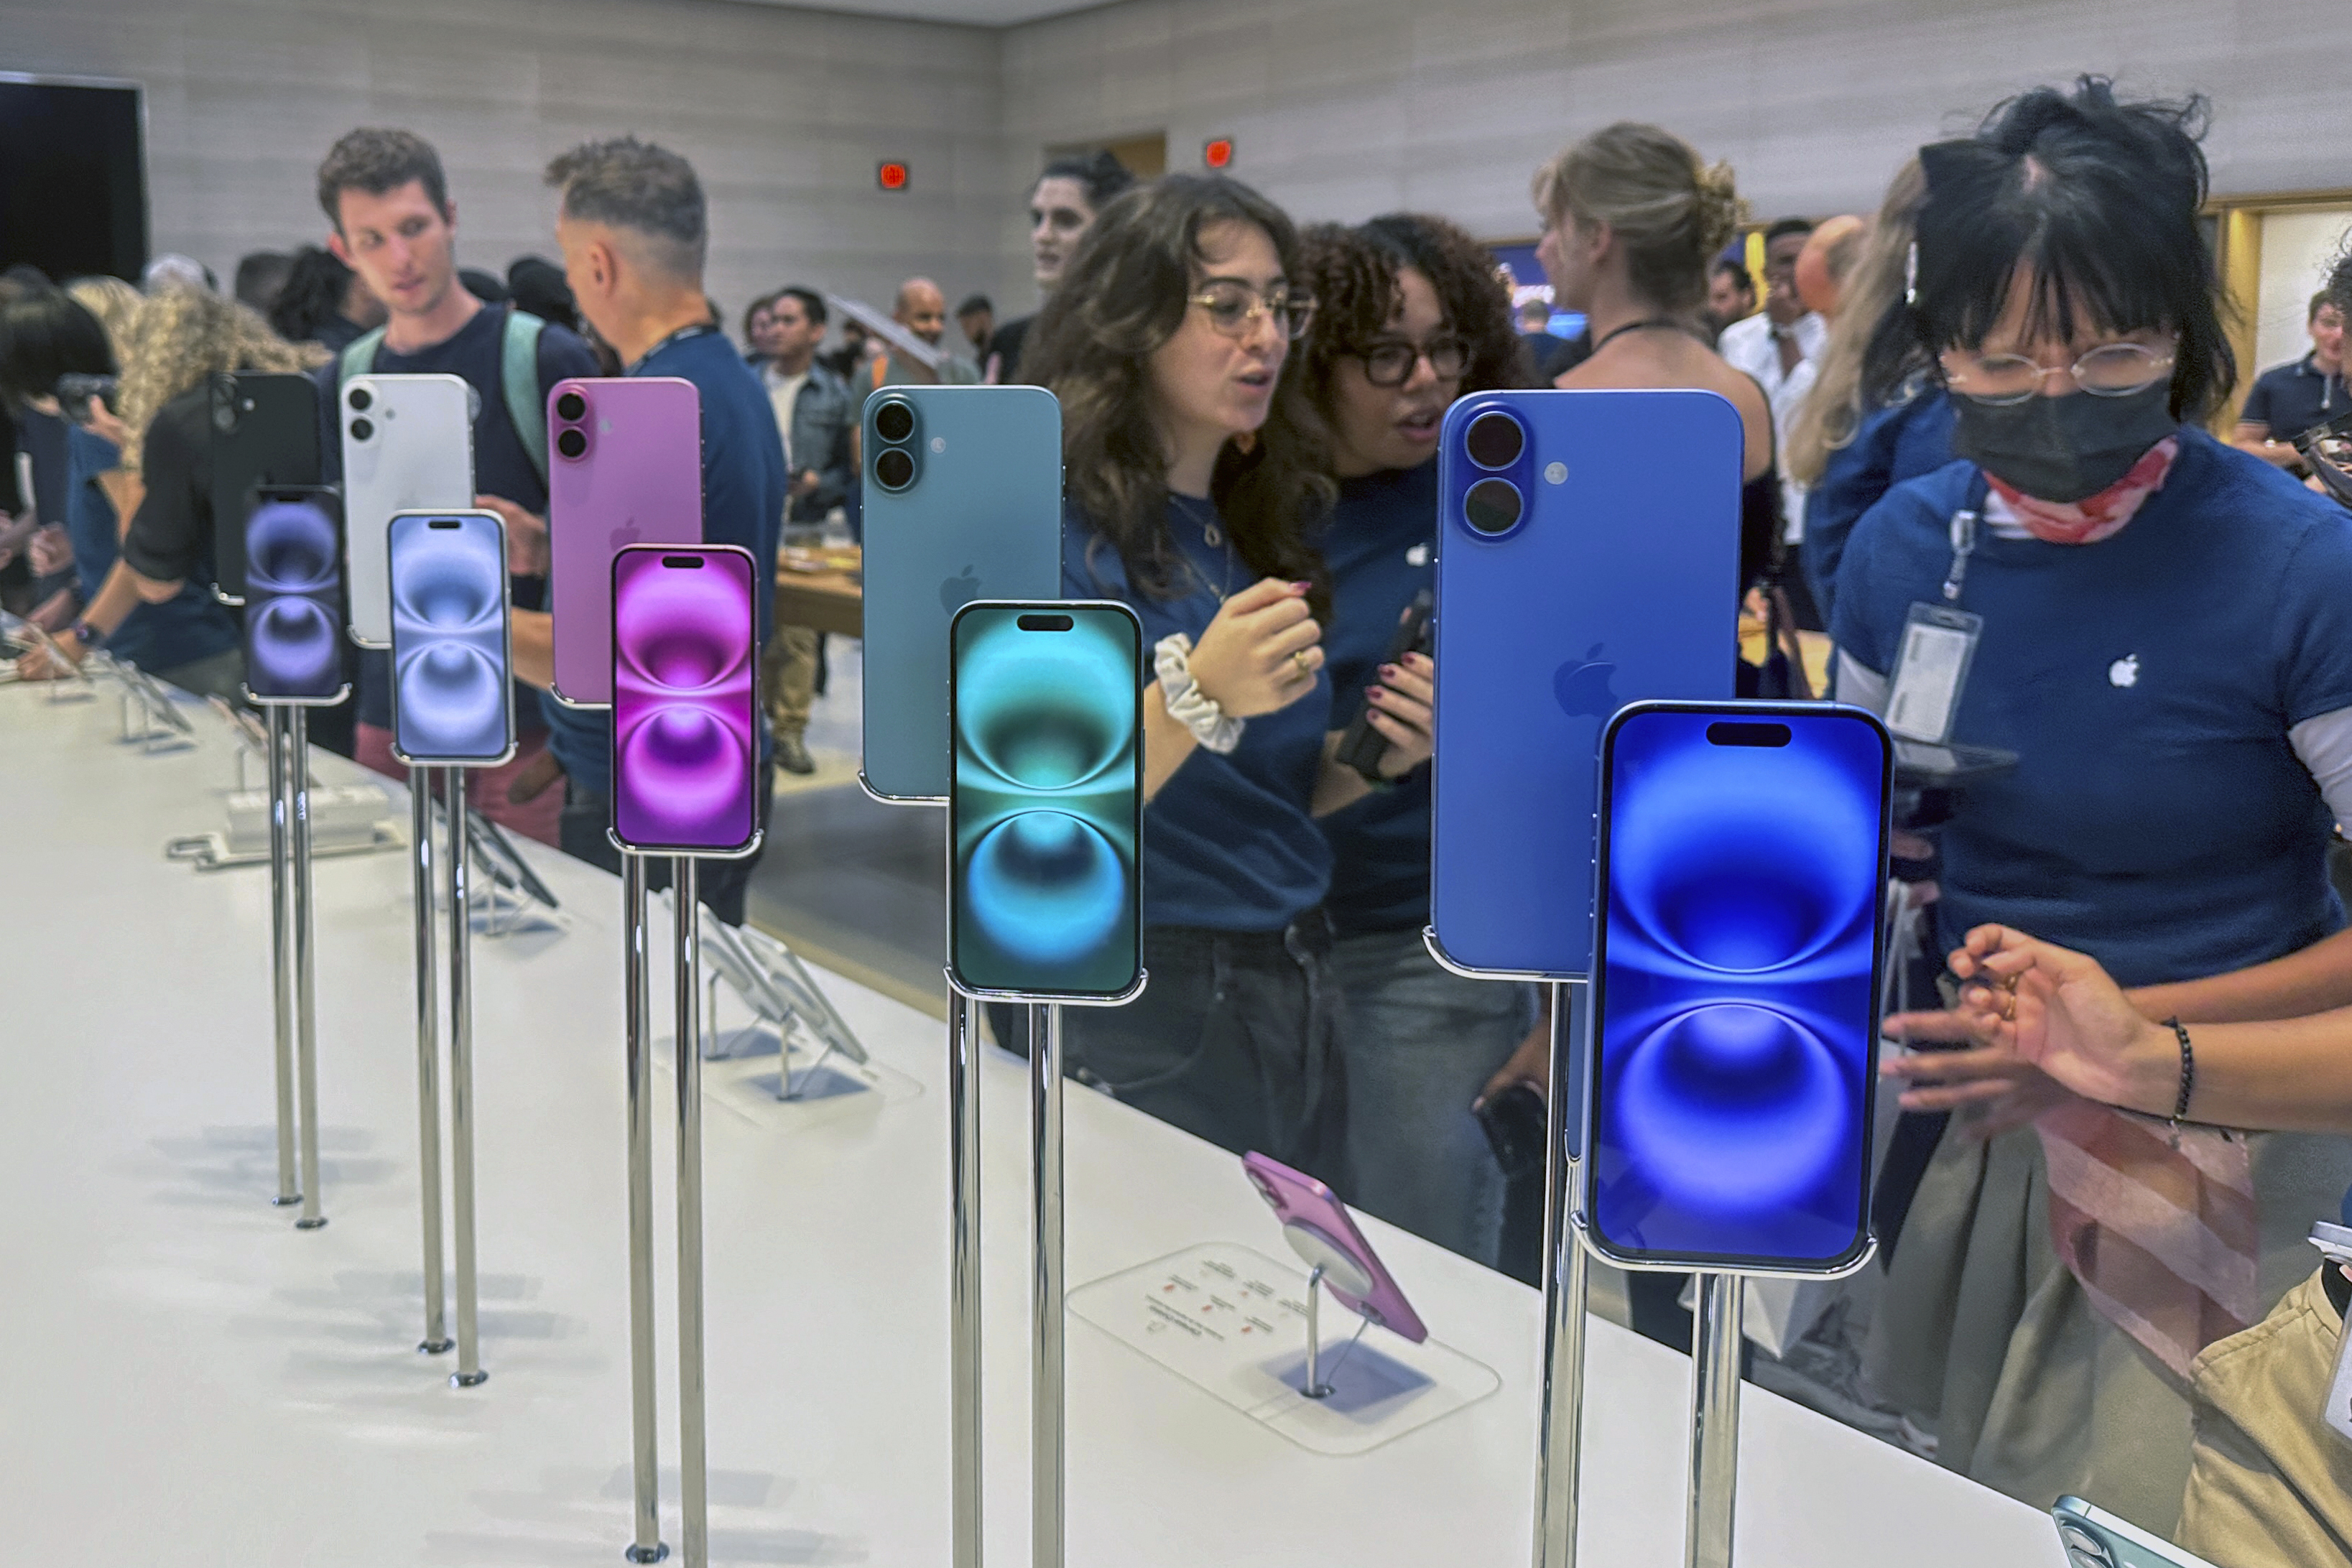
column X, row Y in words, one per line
column 1408, row 317
column 1193, row 472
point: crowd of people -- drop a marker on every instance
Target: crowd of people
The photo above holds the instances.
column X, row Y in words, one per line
column 1989, row 395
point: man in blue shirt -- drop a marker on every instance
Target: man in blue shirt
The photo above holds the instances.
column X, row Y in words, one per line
column 395, row 226
column 2289, row 398
column 634, row 228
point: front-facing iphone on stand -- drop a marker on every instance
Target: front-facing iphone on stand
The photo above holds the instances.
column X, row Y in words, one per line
column 452, row 664
column 1743, row 857
column 293, row 560
column 624, row 467
column 962, row 501
column 685, row 737
column 1045, row 805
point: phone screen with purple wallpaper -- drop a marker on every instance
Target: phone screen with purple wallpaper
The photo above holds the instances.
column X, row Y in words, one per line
column 685, row 742
column 294, row 598
column 1319, row 1225
column 625, row 467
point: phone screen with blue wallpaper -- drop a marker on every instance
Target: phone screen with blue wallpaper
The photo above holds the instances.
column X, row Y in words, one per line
column 1045, row 805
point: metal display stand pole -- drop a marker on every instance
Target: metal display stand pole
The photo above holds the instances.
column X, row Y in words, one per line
column 692, row 1457
column 306, row 1006
column 964, row 1275
column 1316, row 1388
column 1561, row 1434
column 428, row 1047
column 1715, row 1421
column 469, row 1371
column 1046, row 1390
column 281, row 959
column 646, row 1543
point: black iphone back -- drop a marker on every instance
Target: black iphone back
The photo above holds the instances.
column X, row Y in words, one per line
column 265, row 430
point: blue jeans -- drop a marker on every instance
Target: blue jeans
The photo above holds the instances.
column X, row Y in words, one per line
column 1420, row 1044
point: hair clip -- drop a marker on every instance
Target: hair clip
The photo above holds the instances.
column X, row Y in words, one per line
column 1911, row 275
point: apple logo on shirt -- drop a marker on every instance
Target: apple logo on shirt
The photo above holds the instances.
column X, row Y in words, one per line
column 1581, row 686
column 955, row 592
column 2124, row 671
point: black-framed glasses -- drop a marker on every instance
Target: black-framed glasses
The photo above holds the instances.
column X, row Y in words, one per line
column 1389, row 361
column 2328, row 448
column 2111, row 370
column 1234, row 307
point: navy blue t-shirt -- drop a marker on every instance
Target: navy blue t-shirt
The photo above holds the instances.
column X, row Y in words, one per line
column 1899, row 442
column 188, row 626
column 743, row 488
column 1230, row 843
column 502, row 468
column 2159, row 817
column 1380, row 545
column 2290, row 399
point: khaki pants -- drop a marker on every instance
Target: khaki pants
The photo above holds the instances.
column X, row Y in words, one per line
column 788, row 678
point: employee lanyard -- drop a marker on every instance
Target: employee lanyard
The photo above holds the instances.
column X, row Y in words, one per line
column 1964, row 538
column 699, row 329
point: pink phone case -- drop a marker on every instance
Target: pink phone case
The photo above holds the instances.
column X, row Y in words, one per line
column 625, row 467
column 1297, row 1199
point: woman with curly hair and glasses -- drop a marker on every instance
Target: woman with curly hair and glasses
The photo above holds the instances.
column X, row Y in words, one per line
column 1409, row 316
column 1193, row 470
column 180, row 337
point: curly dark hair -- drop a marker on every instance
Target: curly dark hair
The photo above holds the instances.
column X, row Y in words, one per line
column 1125, row 294
column 1352, row 273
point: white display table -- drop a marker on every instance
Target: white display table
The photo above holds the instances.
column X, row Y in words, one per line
column 187, row 1379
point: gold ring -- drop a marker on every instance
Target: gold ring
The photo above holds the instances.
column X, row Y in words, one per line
column 2009, row 1007
column 1298, row 657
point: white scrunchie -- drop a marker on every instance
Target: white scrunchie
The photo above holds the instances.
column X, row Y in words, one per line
column 1188, row 705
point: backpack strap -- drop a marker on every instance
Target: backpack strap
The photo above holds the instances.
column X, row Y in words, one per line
column 518, row 378
column 359, row 356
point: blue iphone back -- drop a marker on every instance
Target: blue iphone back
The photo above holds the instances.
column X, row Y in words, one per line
column 1588, row 556
column 963, row 501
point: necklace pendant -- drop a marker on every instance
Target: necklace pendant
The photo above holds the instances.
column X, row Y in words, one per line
column 1211, row 536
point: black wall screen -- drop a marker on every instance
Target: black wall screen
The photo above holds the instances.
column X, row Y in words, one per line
column 73, row 186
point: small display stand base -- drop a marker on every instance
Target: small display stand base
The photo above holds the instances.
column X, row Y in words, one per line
column 1232, row 1322
column 742, row 1075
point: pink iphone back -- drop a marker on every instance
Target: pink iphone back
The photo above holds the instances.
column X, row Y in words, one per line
column 625, row 467
column 1297, row 1199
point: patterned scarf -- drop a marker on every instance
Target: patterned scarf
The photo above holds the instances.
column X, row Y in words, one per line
column 2160, row 1230
column 2094, row 517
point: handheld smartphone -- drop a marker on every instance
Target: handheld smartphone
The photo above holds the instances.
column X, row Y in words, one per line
column 408, row 445
column 294, row 597
column 1321, row 1230
column 76, row 389
column 1514, row 1122
column 1045, row 807
column 2094, row 1538
column 1588, row 556
column 265, row 433
column 452, row 655
column 1734, row 1050
column 684, row 715
column 1360, row 746
column 624, row 467
column 963, row 501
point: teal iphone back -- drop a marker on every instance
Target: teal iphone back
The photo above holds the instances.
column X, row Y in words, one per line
column 963, row 501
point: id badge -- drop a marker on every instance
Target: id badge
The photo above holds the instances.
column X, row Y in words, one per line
column 1931, row 671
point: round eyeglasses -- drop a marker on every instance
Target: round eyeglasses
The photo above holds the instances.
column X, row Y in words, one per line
column 2111, row 370
column 1390, row 362
column 1234, row 308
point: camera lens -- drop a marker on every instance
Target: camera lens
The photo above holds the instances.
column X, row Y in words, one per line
column 361, row 430
column 894, row 422
column 893, row 470
column 571, row 443
column 571, row 405
column 1492, row 506
column 359, row 400
column 1495, row 441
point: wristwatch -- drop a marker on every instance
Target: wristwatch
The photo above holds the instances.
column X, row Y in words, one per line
column 88, row 635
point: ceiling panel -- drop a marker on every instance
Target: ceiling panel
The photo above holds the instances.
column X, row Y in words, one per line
column 971, row 13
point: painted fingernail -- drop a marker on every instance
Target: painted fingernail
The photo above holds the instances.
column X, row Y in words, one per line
column 1388, row 669
column 1300, row 587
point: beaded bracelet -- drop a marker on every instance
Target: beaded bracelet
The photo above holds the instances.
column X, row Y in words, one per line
column 2188, row 1071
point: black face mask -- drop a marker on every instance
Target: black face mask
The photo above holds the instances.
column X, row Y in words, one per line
column 2062, row 449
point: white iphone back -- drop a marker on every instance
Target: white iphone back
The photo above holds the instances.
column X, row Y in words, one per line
column 408, row 446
